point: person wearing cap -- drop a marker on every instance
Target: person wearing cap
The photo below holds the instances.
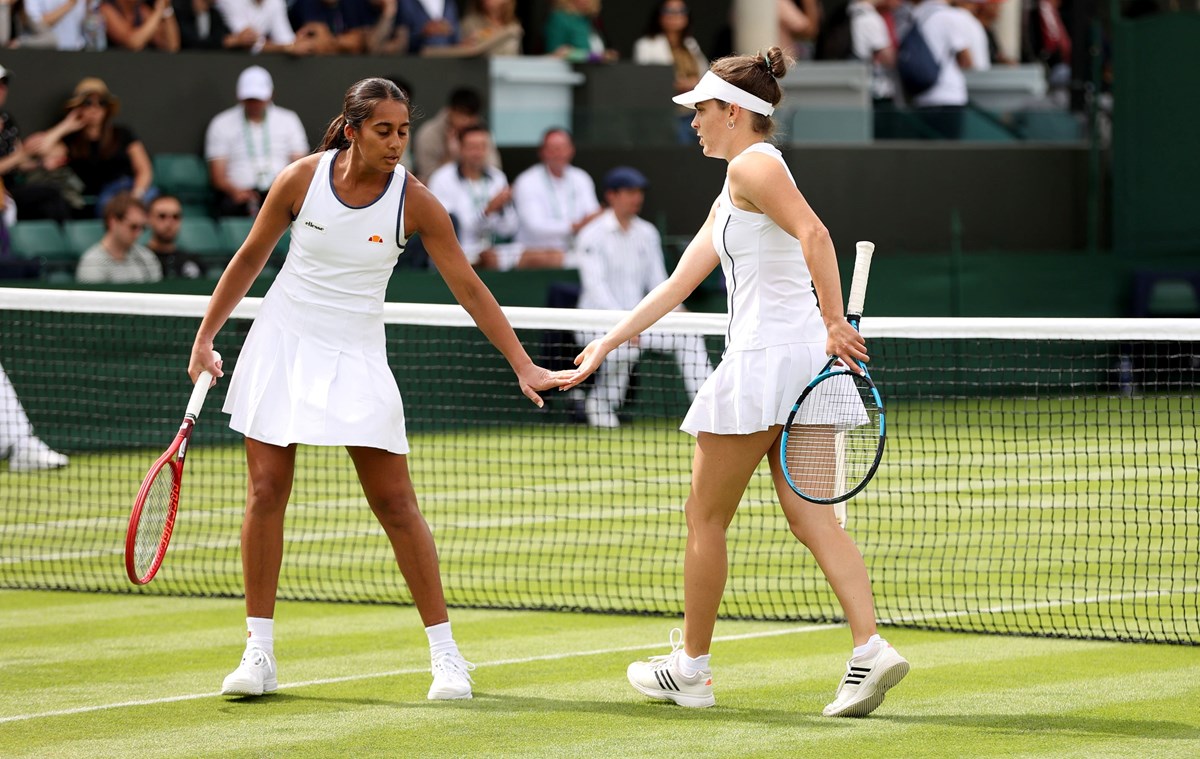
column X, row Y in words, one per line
column 785, row 317
column 137, row 25
column 620, row 260
column 248, row 144
column 107, row 156
column 554, row 200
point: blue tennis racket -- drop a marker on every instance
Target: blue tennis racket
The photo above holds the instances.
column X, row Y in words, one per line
column 833, row 440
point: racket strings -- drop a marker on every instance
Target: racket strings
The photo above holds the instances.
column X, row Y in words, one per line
column 834, row 438
column 153, row 520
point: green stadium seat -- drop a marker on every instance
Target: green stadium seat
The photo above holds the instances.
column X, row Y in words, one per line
column 42, row 239
column 199, row 235
column 83, row 233
column 184, row 175
column 234, row 229
column 1173, row 297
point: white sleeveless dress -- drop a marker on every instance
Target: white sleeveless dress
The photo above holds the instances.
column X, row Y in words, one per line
column 775, row 341
column 314, row 366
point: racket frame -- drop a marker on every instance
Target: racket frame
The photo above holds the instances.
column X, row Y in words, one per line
column 173, row 457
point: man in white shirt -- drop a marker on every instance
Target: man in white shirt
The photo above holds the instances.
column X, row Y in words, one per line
column 249, row 144
column 949, row 40
column 477, row 195
column 260, row 25
column 119, row 258
column 62, row 18
column 620, row 260
column 554, row 201
column 871, row 42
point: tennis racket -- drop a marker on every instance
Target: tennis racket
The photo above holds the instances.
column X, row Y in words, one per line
column 153, row 516
column 834, row 437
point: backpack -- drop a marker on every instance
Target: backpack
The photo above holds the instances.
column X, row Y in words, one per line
column 915, row 64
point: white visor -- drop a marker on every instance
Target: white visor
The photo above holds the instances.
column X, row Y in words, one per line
column 713, row 87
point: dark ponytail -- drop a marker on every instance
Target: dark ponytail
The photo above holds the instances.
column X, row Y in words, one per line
column 359, row 104
column 757, row 74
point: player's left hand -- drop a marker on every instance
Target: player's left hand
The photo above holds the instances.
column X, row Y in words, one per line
column 847, row 343
column 534, row 378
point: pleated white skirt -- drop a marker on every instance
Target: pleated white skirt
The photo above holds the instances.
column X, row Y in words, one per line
column 316, row 375
column 755, row 389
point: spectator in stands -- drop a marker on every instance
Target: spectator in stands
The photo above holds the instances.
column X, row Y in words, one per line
column 248, row 144
column 981, row 56
column 620, row 259
column 429, row 23
column 490, row 27
column 942, row 106
column 436, row 141
column 572, row 33
column 119, row 258
column 260, row 26
column 166, row 218
column 62, row 19
column 328, row 27
column 24, row 451
column 798, row 26
column 871, row 41
column 1051, row 41
column 988, row 11
column 479, row 198
column 33, row 171
column 554, row 201
column 201, row 26
column 136, row 25
column 108, row 157
column 668, row 41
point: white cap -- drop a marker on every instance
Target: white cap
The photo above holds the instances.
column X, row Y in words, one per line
column 255, row 84
column 713, row 87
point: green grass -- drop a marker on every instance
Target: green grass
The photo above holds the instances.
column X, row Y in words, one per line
column 86, row 675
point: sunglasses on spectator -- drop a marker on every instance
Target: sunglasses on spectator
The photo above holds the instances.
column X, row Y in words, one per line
column 4, row 80
column 675, row 11
column 95, row 102
column 168, row 215
column 134, row 226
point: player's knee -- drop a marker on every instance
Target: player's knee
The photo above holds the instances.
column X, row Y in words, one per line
column 400, row 511
column 268, row 493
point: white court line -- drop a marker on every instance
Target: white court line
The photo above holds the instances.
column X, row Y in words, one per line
column 413, row 671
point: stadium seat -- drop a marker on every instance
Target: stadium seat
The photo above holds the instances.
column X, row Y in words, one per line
column 199, row 235
column 1173, row 297
column 83, row 233
column 233, row 230
column 183, row 175
column 42, row 239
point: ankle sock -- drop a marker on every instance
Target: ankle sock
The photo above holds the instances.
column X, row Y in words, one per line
column 441, row 639
column 260, row 633
column 690, row 666
column 870, row 647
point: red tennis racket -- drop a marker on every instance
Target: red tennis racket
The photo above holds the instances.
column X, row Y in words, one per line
column 153, row 516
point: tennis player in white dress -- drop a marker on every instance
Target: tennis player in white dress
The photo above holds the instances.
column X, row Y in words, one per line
column 314, row 368
column 773, row 250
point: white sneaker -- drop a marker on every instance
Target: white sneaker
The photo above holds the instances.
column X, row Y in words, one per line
column 32, row 454
column 866, row 682
column 600, row 415
column 451, row 677
column 255, row 676
column 662, row 678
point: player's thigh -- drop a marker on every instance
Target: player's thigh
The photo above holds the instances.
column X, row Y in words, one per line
column 721, row 468
column 384, row 476
column 807, row 519
column 270, row 469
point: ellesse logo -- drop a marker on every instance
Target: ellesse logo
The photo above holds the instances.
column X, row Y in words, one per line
column 375, row 238
column 313, row 225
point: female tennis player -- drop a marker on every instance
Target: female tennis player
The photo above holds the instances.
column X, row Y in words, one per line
column 773, row 250
column 314, row 366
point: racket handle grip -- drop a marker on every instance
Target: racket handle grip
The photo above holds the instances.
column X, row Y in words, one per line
column 199, row 392
column 858, row 285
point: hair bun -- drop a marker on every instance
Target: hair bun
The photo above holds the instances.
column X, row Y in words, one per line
column 775, row 62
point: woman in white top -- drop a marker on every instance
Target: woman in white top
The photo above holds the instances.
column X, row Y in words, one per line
column 669, row 41
column 314, row 366
column 773, row 250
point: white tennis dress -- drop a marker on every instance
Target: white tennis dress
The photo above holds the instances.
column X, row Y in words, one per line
column 314, row 367
column 775, row 341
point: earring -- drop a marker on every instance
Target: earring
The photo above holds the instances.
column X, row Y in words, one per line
column 729, row 124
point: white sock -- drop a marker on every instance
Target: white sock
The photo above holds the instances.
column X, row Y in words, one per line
column 441, row 639
column 261, row 633
column 689, row 666
column 869, row 647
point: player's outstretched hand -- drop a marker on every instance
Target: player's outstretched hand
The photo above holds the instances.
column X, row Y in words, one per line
column 588, row 361
column 534, row 378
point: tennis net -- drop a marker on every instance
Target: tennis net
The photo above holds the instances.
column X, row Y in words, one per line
column 1041, row 476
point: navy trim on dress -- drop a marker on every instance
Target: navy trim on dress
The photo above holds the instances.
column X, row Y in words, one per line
column 733, row 277
column 401, row 240
column 338, row 198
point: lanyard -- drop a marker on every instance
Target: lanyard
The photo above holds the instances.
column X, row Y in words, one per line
column 478, row 189
column 262, row 168
column 555, row 207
